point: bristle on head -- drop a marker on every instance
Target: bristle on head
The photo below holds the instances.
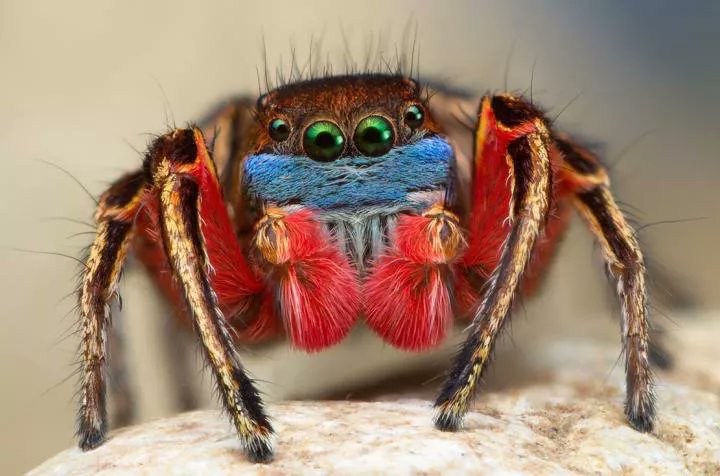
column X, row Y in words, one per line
column 378, row 55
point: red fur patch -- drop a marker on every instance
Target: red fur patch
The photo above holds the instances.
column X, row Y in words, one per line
column 317, row 290
column 238, row 289
column 407, row 297
column 489, row 225
column 234, row 282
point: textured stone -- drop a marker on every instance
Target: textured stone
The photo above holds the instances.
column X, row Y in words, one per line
column 562, row 428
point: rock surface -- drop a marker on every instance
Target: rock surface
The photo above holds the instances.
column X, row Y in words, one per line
column 564, row 428
column 553, row 407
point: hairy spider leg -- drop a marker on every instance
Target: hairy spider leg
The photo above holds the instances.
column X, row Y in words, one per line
column 575, row 170
column 227, row 129
column 179, row 179
column 626, row 267
column 581, row 180
column 511, row 194
column 300, row 282
column 103, row 264
column 576, row 177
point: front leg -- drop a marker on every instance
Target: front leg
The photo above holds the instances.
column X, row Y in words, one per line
column 178, row 183
column 512, row 138
column 189, row 198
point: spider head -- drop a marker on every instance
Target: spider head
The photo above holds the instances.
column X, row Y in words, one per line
column 346, row 142
column 329, row 118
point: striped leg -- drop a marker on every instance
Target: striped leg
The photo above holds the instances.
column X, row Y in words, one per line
column 626, row 267
column 116, row 211
column 511, row 148
column 179, row 181
column 189, row 196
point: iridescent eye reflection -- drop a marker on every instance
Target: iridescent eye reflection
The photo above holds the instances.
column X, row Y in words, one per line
column 414, row 116
column 323, row 141
column 374, row 136
column 279, row 130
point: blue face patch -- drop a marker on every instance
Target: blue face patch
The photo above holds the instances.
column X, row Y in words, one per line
column 351, row 182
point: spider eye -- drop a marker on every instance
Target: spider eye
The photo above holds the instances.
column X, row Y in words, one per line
column 279, row 130
column 374, row 136
column 323, row 141
column 414, row 116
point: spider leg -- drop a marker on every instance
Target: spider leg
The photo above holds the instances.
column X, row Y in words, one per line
column 576, row 169
column 177, row 337
column 115, row 215
column 189, row 194
column 625, row 265
column 180, row 182
column 226, row 129
column 512, row 140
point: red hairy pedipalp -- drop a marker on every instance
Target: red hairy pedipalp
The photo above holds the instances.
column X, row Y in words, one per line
column 315, row 287
column 408, row 298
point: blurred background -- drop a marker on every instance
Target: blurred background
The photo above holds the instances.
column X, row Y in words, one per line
column 83, row 83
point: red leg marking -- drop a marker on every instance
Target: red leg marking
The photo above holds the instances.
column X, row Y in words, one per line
column 239, row 291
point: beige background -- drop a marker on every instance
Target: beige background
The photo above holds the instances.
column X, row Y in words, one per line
column 83, row 83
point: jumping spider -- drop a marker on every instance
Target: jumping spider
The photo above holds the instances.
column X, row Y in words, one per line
column 342, row 197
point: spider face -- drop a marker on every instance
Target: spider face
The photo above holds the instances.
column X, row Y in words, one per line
column 349, row 144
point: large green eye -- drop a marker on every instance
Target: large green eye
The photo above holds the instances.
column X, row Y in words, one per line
column 374, row 136
column 323, row 141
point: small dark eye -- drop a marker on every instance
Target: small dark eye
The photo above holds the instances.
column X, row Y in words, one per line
column 323, row 141
column 414, row 116
column 374, row 136
column 279, row 130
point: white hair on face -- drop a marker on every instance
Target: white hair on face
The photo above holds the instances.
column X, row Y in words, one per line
column 364, row 234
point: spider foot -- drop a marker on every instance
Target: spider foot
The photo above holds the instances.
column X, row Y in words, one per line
column 449, row 412
column 90, row 438
column 259, row 449
column 447, row 421
column 641, row 419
